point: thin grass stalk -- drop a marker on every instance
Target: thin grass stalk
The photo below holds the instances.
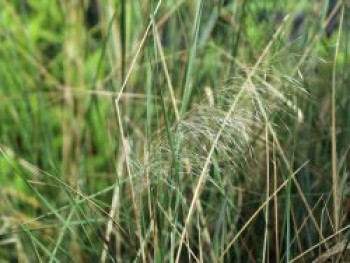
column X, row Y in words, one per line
column 187, row 93
column 166, row 72
column 113, row 213
column 61, row 235
column 275, row 201
column 267, row 160
column 335, row 173
column 135, row 201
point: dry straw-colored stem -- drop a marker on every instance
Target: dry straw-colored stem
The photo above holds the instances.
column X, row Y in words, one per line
column 335, row 175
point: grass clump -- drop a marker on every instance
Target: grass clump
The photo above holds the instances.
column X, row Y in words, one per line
column 174, row 131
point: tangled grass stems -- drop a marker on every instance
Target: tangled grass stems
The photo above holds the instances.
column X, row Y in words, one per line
column 197, row 131
column 218, row 174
